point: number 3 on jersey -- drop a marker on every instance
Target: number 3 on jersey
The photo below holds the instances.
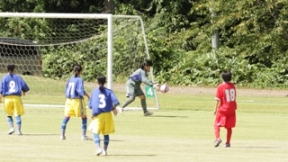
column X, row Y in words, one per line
column 230, row 95
column 102, row 101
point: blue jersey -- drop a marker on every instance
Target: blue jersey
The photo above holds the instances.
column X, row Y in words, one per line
column 140, row 76
column 102, row 101
column 13, row 84
column 74, row 88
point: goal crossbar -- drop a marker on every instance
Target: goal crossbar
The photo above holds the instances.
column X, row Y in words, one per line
column 109, row 18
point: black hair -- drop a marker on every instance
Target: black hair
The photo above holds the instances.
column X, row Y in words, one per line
column 101, row 79
column 10, row 68
column 77, row 69
column 147, row 62
column 226, row 75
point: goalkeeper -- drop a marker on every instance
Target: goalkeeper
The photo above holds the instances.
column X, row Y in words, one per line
column 133, row 86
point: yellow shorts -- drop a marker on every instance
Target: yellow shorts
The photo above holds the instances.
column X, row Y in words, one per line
column 75, row 107
column 102, row 124
column 13, row 105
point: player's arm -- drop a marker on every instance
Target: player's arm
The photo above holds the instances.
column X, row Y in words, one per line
column 115, row 103
column 87, row 95
column 80, row 88
column 25, row 87
column 90, row 103
column 1, row 91
column 216, row 106
column 146, row 81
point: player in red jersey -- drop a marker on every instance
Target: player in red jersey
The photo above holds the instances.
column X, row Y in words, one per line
column 225, row 110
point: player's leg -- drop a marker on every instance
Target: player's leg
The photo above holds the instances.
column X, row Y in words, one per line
column 106, row 143
column 217, row 125
column 230, row 123
column 19, row 111
column 142, row 97
column 129, row 100
column 97, row 128
column 217, row 136
column 129, row 93
column 63, row 127
column 11, row 125
column 144, row 105
column 19, row 123
column 69, row 111
column 228, row 139
column 81, row 112
column 84, row 128
column 9, row 110
column 97, row 144
column 109, row 128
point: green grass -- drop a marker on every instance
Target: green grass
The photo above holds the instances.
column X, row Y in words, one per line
column 169, row 135
column 181, row 131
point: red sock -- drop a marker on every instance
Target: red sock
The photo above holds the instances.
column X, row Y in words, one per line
column 229, row 134
column 217, row 132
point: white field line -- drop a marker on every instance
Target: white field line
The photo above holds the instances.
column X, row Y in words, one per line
column 62, row 106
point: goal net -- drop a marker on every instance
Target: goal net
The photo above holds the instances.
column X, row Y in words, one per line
column 45, row 47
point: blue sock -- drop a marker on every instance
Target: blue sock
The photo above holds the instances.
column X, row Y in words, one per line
column 64, row 123
column 18, row 122
column 106, row 142
column 97, row 140
column 10, row 121
column 84, row 126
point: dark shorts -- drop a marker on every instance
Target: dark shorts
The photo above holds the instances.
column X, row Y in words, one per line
column 133, row 89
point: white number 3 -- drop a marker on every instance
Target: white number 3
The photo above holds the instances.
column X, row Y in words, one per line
column 102, row 102
column 230, row 95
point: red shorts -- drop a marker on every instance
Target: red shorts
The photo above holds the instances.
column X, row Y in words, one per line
column 225, row 119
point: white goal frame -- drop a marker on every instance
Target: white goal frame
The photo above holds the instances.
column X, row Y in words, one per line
column 109, row 18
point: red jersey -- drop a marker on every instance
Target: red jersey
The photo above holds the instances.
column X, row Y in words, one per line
column 226, row 94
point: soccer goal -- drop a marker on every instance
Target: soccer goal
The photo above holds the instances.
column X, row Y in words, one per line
column 46, row 46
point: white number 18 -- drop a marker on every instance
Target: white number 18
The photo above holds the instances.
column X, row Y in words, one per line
column 230, row 95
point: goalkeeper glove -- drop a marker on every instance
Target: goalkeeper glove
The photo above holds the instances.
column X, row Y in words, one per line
column 156, row 86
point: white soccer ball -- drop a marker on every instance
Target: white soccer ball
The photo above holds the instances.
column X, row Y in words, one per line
column 164, row 88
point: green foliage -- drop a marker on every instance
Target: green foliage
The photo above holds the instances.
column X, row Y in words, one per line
column 253, row 39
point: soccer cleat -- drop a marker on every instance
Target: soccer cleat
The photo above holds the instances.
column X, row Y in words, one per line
column 98, row 152
column 19, row 133
column 227, row 145
column 86, row 138
column 217, row 142
column 148, row 113
column 120, row 110
column 11, row 131
column 104, row 153
column 62, row 137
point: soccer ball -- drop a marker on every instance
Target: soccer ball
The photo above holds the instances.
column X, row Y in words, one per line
column 164, row 88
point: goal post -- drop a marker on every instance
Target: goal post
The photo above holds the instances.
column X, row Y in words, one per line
column 56, row 41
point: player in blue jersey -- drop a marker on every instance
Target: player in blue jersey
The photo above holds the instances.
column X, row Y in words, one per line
column 75, row 105
column 102, row 102
column 12, row 87
column 133, row 86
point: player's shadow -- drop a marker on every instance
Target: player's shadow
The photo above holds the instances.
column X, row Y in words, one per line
column 168, row 116
column 257, row 147
column 39, row 134
column 146, row 155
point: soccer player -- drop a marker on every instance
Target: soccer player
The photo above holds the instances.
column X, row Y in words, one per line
column 133, row 86
column 102, row 102
column 225, row 110
column 75, row 105
column 12, row 87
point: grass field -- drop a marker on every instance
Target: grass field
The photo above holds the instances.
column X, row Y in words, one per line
column 181, row 131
